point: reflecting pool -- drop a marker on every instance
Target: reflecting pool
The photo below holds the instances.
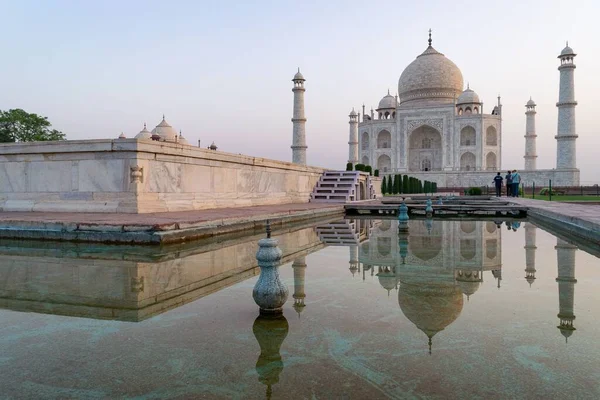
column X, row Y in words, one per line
column 451, row 309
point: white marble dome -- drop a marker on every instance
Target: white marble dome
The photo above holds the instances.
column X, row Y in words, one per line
column 144, row 134
column 388, row 101
column 530, row 102
column 431, row 78
column 468, row 97
column 165, row 131
column 298, row 76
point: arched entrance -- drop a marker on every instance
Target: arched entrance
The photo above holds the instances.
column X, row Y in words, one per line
column 384, row 163
column 362, row 191
column 425, row 149
column 490, row 161
column 467, row 162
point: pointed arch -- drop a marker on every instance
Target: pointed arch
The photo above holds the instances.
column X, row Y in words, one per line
column 467, row 162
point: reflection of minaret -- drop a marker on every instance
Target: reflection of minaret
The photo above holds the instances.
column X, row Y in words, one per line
column 497, row 273
column 354, row 259
column 530, row 252
column 270, row 332
column 299, row 266
column 566, row 286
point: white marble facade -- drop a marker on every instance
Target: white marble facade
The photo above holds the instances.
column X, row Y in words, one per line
column 140, row 176
column 437, row 130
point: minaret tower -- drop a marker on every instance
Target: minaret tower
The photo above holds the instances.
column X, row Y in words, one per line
column 299, row 121
column 566, row 286
column 566, row 135
column 299, row 267
column 530, row 152
column 530, row 249
column 353, row 138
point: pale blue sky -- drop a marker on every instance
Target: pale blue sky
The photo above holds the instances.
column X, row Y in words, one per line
column 221, row 71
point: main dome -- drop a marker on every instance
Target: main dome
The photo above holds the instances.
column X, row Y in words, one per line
column 430, row 79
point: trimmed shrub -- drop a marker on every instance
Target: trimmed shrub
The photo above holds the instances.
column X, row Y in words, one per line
column 405, row 184
column 368, row 169
column 474, row 191
column 395, row 185
column 349, row 167
column 376, row 172
column 434, row 188
column 399, row 184
column 389, row 184
column 383, row 186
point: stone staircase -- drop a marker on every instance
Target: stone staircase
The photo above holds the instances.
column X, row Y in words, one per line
column 339, row 233
column 341, row 187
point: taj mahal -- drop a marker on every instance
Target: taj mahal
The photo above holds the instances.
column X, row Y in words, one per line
column 437, row 130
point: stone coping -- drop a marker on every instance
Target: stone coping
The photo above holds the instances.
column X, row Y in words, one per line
column 156, row 228
column 580, row 220
column 145, row 146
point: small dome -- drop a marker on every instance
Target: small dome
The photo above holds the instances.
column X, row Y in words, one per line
column 122, row 136
column 388, row 101
column 181, row 139
column 387, row 280
column 567, row 51
column 165, row 131
column 144, row 134
column 353, row 113
column 468, row 97
column 298, row 76
column 531, row 103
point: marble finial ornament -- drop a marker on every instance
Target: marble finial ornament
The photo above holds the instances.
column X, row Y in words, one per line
column 270, row 294
column 429, row 41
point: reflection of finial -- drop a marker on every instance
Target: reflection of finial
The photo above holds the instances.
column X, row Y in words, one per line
column 430, row 345
column 429, row 36
column 268, row 229
column 269, row 392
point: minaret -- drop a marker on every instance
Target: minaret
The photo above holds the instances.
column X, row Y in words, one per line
column 299, row 121
column 566, row 286
column 299, row 266
column 530, row 252
column 566, row 135
column 353, row 138
column 530, row 152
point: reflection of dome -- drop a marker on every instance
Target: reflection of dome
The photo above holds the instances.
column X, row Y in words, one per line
column 165, row 131
column 468, row 281
column 388, row 101
column 468, row 97
column 430, row 307
column 432, row 77
column 387, row 279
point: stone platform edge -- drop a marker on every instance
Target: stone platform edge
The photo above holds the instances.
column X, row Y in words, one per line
column 578, row 227
column 157, row 234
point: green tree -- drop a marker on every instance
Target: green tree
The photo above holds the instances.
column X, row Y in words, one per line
column 399, row 183
column 395, row 185
column 405, row 184
column 383, row 186
column 20, row 126
column 389, row 184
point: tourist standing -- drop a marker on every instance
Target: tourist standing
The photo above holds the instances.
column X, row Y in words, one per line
column 498, row 182
column 516, row 181
column 508, row 179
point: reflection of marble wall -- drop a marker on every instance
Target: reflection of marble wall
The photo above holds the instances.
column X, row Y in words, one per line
column 132, row 287
column 447, row 244
column 97, row 175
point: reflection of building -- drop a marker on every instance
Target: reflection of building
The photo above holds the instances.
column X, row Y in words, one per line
column 565, row 254
column 270, row 332
column 433, row 266
column 530, row 252
column 130, row 283
column 299, row 266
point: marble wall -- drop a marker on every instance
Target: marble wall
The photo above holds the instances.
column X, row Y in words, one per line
column 133, row 176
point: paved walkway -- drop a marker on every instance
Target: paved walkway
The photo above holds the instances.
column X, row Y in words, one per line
column 155, row 227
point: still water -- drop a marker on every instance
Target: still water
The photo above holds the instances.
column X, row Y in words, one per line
column 454, row 309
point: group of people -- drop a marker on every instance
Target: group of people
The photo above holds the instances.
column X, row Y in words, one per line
column 513, row 180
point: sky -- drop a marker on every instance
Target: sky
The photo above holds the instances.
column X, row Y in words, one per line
column 221, row 71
